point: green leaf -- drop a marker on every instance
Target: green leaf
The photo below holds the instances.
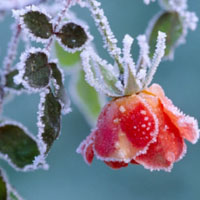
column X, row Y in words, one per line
column 16, row 144
column 9, row 82
column 37, row 71
column 59, row 89
column 109, row 78
column 86, row 97
column 38, row 24
column 3, row 187
column 14, row 196
column 6, row 191
column 66, row 59
column 50, row 118
column 72, row 35
column 171, row 24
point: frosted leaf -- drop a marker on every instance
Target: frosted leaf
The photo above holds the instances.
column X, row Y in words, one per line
column 19, row 147
column 34, row 71
column 49, row 120
column 10, row 84
column 59, row 88
column 100, row 75
column 130, row 82
column 3, row 186
column 36, row 23
column 86, row 98
column 172, row 25
column 7, row 192
column 175, row 21
column 127, row 57
column 144, row 60
column 158, row 55
column 73, row 36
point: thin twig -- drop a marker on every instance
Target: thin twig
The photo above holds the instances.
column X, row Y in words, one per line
column 12, row 48
column 61, row 15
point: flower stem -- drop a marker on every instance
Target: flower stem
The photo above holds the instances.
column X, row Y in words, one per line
column 105, row 30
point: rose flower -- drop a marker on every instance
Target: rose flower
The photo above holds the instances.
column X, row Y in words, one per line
column 140, row 125
column 144, row 128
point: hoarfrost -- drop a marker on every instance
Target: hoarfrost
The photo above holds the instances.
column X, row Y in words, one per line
column 148, row 1
column 158, row 55
column 38, row 162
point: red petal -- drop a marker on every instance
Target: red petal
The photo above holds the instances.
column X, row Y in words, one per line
column 134, row 162
column 169, row 147
column 139, row 124
column 188, row 126
column 125, row 129
column 116, row 165
column 86, row 149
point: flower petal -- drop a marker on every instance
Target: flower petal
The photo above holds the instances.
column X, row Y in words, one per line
column 125, row 129
column 116, row 165
column 168, row 148
column 188, row 126
column 86, row 149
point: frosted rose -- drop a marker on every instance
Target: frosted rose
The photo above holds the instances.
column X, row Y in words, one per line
column 144, row 128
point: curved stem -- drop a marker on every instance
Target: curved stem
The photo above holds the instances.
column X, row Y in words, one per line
column 106, row 32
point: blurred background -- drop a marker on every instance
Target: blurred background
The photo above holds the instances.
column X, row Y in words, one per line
column 69, row 178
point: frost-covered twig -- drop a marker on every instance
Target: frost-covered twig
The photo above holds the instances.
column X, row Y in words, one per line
column 12, row 47
column 104, row 28
column 66, row 5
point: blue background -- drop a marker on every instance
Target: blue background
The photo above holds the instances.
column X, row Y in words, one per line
column 69, row 178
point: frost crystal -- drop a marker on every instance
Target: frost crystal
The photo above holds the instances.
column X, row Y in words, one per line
column 148, row 1
column 102, row 23
column 158, row 55
column 190, row 19
column 99, row 74
column 15, row 4
column 144, row 59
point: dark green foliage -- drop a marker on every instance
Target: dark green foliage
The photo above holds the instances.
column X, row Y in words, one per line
column 60, row 92
column 10, row 80
column 37, row 71
column 38, row 24
column 171, row 24
column 51, row 119
column 3, row 188
column 72, row 35
column 20, row 148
